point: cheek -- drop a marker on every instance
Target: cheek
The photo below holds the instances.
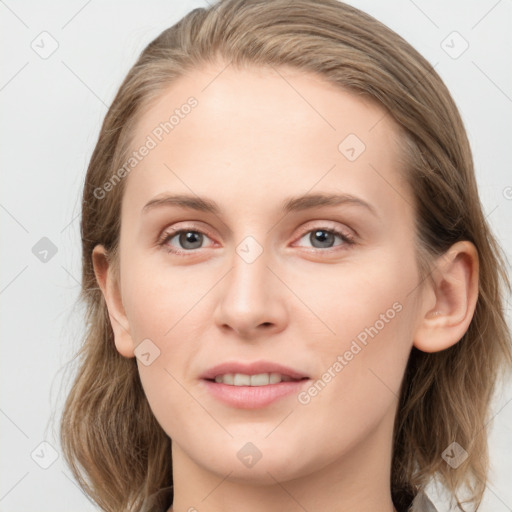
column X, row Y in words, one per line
column 359, row 377
column 164, row 310
column 362, row 299
column 363, row 352
column 158, row 298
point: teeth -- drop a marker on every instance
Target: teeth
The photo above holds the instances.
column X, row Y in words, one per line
column 262, row 379
column 241, row 380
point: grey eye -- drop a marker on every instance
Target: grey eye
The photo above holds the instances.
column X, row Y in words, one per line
column 189, row 240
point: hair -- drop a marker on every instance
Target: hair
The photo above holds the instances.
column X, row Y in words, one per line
column 116, row 449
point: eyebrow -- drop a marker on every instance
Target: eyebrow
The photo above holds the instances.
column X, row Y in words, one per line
column 292, row 204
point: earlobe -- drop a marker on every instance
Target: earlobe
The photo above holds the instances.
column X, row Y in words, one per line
column 455, row 287
column 111, row 292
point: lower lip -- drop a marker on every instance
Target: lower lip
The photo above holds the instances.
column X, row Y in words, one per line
column 253, row 397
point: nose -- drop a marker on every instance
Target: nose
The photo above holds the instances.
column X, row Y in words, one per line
column 251, row 299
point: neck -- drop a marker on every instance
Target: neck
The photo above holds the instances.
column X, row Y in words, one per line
column 357, row 482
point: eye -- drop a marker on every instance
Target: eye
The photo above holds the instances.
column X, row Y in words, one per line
column 324, row 238
column 183, row 240
column 188, row 240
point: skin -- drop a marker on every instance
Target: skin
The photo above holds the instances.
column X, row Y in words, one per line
column 256, row 138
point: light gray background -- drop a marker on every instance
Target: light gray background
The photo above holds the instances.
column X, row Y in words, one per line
column 51, row 114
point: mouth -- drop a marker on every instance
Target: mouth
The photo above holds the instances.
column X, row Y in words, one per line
column 252, row 385
column 260, row 379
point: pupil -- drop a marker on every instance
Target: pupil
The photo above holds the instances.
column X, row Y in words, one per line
column 324, row 237
column 191, row 237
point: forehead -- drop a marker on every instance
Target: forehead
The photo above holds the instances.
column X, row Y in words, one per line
column 257, row 130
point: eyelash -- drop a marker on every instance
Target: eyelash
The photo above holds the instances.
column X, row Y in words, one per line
column 348, row 239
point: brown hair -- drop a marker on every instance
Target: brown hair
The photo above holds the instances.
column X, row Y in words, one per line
column 108, row 431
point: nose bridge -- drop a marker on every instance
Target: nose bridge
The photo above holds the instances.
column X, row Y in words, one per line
column 249, row 296
column 248, row 281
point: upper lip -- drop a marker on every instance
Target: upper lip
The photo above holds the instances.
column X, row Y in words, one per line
column 251, row 368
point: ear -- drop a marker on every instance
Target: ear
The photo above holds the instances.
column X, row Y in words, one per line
column 107, row 281
column 454, row 292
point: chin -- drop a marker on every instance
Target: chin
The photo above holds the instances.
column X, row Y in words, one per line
column 261, row 463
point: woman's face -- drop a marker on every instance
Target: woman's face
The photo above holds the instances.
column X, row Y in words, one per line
column 288, row 255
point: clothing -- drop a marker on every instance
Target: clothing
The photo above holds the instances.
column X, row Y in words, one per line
column 422, row 503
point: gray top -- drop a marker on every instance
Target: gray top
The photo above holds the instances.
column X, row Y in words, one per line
column 422, row 504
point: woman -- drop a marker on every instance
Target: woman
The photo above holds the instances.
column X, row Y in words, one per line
column 294, row 299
